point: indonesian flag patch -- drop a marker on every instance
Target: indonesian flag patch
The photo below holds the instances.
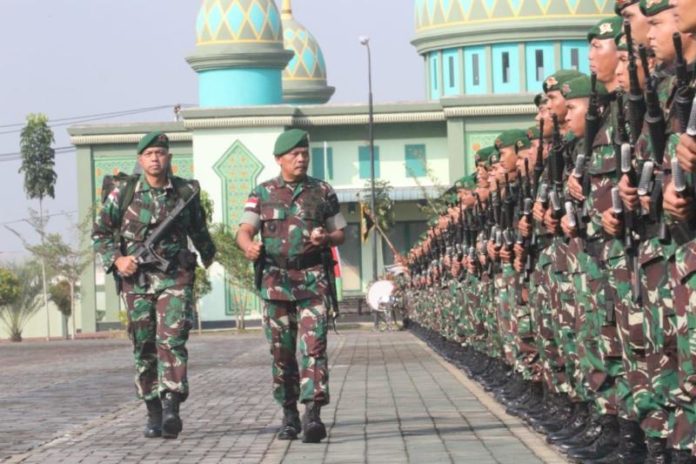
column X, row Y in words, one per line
column 251, row 204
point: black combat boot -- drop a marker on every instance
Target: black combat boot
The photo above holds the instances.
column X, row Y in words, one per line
column 535, row 395
column 681, row 457
column 153, row 428
column 631, row 446
column 657, row 451
column 171, row 422
column 313, row 428
column 576, row 423
column 588, row 435
column 291, row 426
column 560, row 414
column 607, row 441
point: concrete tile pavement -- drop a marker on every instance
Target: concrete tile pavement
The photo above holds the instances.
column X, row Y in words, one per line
column 392, row 400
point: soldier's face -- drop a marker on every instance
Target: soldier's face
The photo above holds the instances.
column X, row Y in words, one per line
column 154, row 161
column 603, row 60
column 575, row 118
column 639, row 23
column 467, row 198
column 508, row 161
column 556, row 106
column 662, row 26
column 622, row 77
column 684, row 14
column 294, row 164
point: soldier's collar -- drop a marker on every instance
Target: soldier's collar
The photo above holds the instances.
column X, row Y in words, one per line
column 143, row 186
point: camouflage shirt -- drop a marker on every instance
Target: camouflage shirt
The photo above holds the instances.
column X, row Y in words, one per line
column 149, row 207
column 286, row 214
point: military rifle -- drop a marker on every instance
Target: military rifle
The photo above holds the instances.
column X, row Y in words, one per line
column 539, row 162
column 557, row 165
column 636, row 99
column 654, row 117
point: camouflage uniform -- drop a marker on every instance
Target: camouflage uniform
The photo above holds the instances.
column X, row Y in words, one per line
column 294, row 293
column 160, row 312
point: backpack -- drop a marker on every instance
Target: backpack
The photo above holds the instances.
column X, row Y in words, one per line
column 127, row 183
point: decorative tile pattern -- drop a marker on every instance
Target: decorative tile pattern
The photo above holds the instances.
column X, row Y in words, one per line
column 308, row 61
column 432, row 14
column 225, row 21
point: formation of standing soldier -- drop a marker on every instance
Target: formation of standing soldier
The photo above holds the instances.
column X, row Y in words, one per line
column 564, row 270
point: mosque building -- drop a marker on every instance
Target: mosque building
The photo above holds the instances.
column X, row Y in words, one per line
column 260, row 71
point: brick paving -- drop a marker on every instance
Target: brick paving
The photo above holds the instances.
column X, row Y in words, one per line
column 393, row 401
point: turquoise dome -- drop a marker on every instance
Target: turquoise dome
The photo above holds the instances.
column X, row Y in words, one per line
column 304, row 79
column 239, row 54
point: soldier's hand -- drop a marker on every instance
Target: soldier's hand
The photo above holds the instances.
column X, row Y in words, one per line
column 524, row 227
column 319, row 237
column 550, row 223
column 611, row 223
column 686, row 153
column 628, row 194
column 567, row 229
column 126, row 265
column 492, row 252
column 518, row 264
column 538, row 211
column 519, row 250
column 575, row 189
column 253, row 251
column 506, row 254
column 679, row 207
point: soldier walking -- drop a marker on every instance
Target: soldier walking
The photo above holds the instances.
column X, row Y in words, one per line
column 298, row 218
column 158, row 292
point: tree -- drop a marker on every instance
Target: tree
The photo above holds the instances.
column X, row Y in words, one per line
column 202, row 285
column 63, row 259
column 38, row 161
column 240, row 273
column 17, row 313
column 61, row 293
column 383, row 203
column 9, row 287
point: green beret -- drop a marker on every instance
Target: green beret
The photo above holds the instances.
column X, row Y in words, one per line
column 621, row 44
column 619, row 5
column 289, row 140
column 540, row 99
column 653, row 7
column 467, row 182
column 557, row 79
column 493, row 158
column 483, row 154
column 580, row 87
column 153, row 139
column 533, row 133
column 607, row 28
column 512, row 138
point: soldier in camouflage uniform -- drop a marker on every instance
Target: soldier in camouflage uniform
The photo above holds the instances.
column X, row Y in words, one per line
column 297, row 216
column 159, row 301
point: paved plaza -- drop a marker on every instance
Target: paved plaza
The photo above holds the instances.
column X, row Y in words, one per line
column 392, row 401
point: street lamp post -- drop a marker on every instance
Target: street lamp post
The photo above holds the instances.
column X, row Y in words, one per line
column 364, row 40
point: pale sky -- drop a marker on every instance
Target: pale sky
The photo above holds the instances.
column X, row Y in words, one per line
column 69, row 58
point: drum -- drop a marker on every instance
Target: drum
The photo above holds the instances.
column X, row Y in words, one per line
column 379, row 292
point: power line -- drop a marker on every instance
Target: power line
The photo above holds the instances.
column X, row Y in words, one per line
column 6, row 157
column 94, row 116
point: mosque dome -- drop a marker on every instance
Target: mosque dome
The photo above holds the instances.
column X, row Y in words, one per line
column 239, row 51
column 304, row 79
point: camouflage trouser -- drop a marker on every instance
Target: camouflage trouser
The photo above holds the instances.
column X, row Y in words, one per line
column 159, row 326
column 506, row 309
column 283, row 322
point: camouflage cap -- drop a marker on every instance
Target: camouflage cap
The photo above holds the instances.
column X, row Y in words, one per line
column 607, row 28
column 533, row 133
column 580, row 87
column 557, row 79
column 483, row 154
column 153, row 139
column 619, row 5
column 512, row 138
column 653, row 7
column 289, row 140
column 466, row 182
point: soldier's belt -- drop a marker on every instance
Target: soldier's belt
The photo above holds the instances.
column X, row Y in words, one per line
column 297, row 263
